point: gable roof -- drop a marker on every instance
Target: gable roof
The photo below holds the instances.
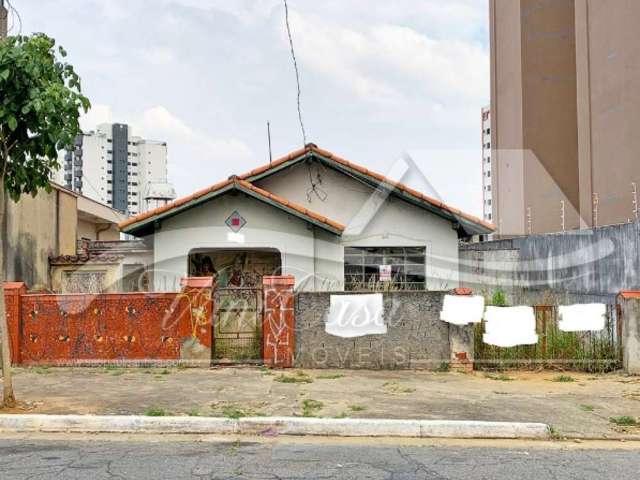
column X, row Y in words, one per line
column 142, row 224
column 465, row 224
column 469, row 224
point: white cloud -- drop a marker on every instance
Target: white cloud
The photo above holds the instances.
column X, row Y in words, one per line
column 390, row 64
column 196, row 159
column 99, row 113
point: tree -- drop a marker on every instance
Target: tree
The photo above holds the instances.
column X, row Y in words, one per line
column 40, row 103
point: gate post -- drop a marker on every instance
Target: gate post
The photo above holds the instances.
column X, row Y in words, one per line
column 278, row 321
column 12, row 293
column 630, row 331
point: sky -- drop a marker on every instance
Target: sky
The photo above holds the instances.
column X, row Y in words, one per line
column 379, row 79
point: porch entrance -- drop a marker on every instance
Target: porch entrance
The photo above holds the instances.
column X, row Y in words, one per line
column 237, row 299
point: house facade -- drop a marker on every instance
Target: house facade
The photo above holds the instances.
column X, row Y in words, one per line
column 330, row 223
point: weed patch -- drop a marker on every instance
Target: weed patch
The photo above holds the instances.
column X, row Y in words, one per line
column 444, row 367
column 298, row 377
column 329, row 376
column 155, row 412
column 563, row 379
column 311, row 407
column 357, row 408
column 502, row 377
column 624, row 421
column 396, row 388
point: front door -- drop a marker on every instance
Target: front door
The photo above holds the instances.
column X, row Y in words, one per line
column 237, row 325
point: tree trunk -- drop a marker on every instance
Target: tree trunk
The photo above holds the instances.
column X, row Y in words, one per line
column 9, row 399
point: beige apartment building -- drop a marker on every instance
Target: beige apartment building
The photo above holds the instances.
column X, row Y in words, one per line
column 565, row 105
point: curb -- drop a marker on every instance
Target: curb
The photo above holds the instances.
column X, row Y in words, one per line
column 272, row 426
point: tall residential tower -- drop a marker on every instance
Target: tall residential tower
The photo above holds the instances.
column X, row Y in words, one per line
column 565, row 110
column 113, row 167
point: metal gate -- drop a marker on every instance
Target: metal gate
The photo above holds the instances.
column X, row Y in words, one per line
column 586, row 351
column 237, row 325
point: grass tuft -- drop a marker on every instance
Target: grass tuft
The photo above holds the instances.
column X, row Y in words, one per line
column 299, row 377
column 502, row 377
column 624, row 421
column 563, row 379
column 357, row 408
column 330, row 376
column 444, row 367
column 311, row 407
column 156, row 412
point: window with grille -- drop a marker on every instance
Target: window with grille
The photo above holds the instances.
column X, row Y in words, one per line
column 362, row 268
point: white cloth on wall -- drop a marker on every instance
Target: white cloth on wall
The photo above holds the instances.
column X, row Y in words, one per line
column 510, row 326
column 582, row 317
column 356, row 315
column 462, row 309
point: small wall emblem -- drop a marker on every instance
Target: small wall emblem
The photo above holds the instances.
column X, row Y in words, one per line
column 235, row 221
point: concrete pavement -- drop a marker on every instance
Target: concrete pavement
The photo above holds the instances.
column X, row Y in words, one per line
column 578, row 408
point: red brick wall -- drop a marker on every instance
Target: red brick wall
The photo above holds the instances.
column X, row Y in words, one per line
column 70, row 329
column 278, row 324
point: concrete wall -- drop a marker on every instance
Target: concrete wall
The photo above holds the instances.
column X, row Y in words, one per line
column 35, row 228
column 416, row 337
column 631, row 335
column 591, row 265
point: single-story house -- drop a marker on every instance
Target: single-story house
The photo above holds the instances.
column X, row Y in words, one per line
column 332, row 224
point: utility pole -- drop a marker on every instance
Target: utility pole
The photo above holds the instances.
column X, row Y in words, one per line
column 4, row 14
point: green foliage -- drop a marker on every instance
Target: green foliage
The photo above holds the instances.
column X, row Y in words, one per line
column 39, row 111
column 624, row 421
column 563, row 379
column 329, row 376
column 233, row 412
column 444, row 367
column 591, row 352
column 357, row 408
column 156, row 412
column 499, row 299
column 501, row 377
column 299, row 377
column 311, row 407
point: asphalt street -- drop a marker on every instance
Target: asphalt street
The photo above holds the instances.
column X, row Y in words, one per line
column 59, row 458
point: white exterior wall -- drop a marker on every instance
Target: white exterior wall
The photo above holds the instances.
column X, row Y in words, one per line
column 204, row 227
column 395, row 224
column 314, row 256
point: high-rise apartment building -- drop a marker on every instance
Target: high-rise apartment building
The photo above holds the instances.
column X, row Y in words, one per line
column 565, row 105
column 113, row 167
column 487, row 208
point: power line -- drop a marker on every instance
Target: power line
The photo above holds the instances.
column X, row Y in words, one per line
column 295, row 67
column 14, row 15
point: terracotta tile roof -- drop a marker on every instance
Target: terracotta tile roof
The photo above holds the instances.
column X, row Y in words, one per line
column 171, row 205
column 242, row 185
column 630, row 293
column 376, row 176
column 244, row 181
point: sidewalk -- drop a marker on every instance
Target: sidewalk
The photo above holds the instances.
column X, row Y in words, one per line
column 581, row 408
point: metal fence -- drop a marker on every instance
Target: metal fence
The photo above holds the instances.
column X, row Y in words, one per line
column 583, row 351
